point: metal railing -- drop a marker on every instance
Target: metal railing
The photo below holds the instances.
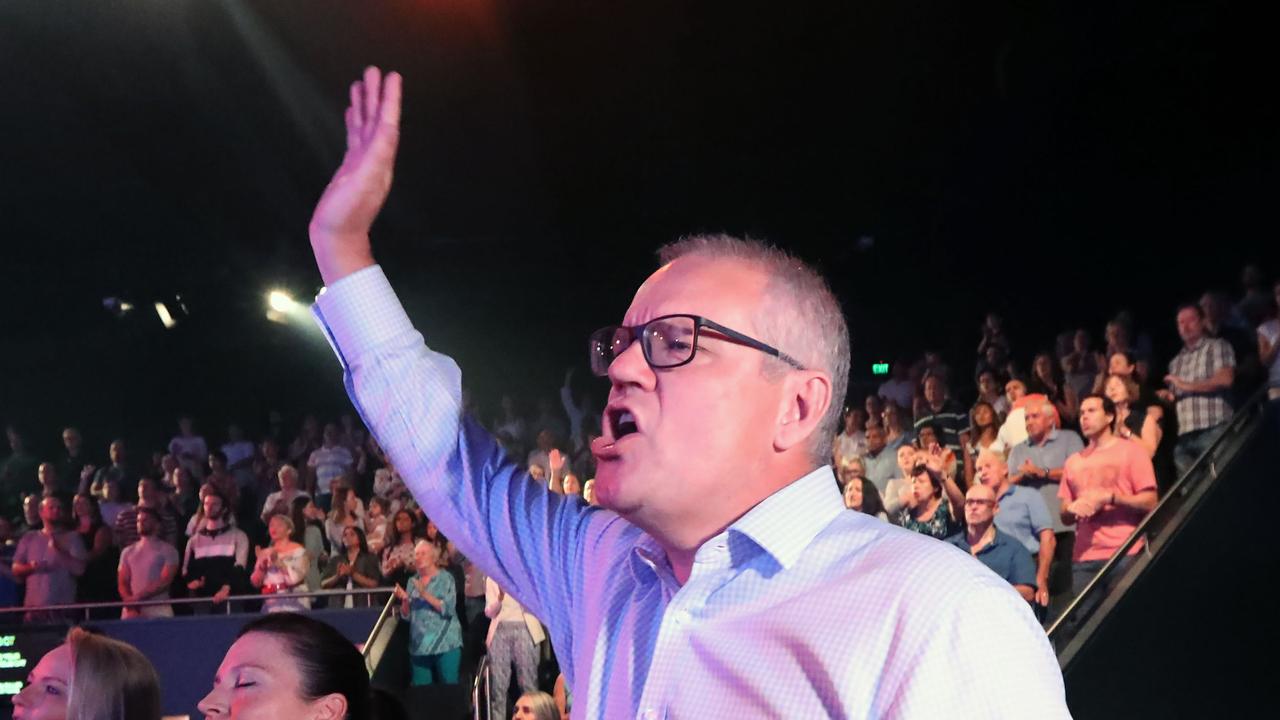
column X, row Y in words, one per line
column 1168, row 514
column 228, row 606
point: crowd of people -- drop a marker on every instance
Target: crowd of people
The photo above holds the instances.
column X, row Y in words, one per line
column 995, row 467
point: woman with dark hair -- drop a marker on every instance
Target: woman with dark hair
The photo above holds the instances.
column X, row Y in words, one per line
column 1046, row 379
column 984, row 434
column 860, row 494
column 397, row 556
column 936, row 505
column 352, row 567
column 90, row 677
column 343, row 514
column 98, row 581
column 290, row 666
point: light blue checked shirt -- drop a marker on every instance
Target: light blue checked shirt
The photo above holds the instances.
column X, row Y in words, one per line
column 800, row 609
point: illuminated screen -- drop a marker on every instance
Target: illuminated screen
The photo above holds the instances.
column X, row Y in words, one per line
column 20, row 650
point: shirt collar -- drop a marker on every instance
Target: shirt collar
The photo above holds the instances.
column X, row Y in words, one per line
column 772, row 525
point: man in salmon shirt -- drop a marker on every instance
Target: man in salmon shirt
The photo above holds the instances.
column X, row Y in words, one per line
column 1106, row 490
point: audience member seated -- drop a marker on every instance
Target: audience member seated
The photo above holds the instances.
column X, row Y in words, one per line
column 189, row 448
column 147, row 569
column 352, row 566
column 49, row 561
column 90, row 676
column 983, row 540
column 435, row 635
column 512, row 641
column 860, row 494
column 1023, row 516
column 281, row 568
column 535, row 705
column 299, row 667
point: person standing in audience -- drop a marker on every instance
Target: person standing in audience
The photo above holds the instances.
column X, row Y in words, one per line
column 513, row 640
column 189, row 448
column 435, row 636
column 880, row 460
column 1024, row 517
column 90, row 677
column 352, row 566
column 10, row 589
column 1134, row 420
column 147, row 569
column 397, row 556
column 47, row 475
column 897, row 426
column 991, row 391
column 92, row 478
column 97, row 583
column 342, row 516
column 984, row 434
column 852, row 440
column 326, row 464
column 1107, row 489
column 376, row 523
column 944, row 413
column 71, row 464
column 149, row 495
column 1046, row 380
column 898, row 491
column 1014, row 428
column 17, row 474
column 281, row 567
column 1037, row 463
column 983, row 540
column 1199, row 383
column 49, row 561
column 308, row 531
column 217, row 555
column 281, row 501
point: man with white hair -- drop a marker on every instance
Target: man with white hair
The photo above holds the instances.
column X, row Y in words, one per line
column 692, row 591
column 1037, row 463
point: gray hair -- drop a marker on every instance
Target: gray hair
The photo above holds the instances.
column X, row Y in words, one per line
column 800, row 316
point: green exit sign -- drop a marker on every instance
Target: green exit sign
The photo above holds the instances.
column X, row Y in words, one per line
column 879, row 368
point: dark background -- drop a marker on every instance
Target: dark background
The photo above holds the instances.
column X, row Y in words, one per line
column 1055, row 161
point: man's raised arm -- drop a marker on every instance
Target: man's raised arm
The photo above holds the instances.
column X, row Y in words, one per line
column 527, row 539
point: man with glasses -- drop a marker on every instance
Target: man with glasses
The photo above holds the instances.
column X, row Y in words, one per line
column 721, row 574
column 998, row 551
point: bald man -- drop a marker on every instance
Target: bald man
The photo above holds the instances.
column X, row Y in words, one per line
column 1003, row 554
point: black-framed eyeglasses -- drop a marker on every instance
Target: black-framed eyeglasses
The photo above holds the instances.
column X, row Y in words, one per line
column 667, row 342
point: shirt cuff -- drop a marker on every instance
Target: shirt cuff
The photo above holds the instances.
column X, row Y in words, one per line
column 359, row 312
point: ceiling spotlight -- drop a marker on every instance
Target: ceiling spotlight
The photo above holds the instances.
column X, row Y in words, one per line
column 165, row 317
column 280, row 301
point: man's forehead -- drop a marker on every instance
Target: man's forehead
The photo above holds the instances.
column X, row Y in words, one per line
column 726, row 290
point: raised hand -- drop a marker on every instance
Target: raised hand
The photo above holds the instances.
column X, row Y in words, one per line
column 340, row 225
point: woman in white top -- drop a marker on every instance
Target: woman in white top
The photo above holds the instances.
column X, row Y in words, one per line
column 281, row 568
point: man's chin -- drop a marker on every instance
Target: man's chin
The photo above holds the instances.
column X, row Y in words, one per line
column 616, row 489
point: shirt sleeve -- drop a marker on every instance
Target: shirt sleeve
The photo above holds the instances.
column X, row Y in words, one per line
column 1142, row 474
column 1065, row 493
column 1039, row 511
column 1023, row 571
column 532, row 542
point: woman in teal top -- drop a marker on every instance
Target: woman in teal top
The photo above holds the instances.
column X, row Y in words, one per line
column 435, row 637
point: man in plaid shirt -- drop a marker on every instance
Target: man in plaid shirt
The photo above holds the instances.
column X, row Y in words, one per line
column 1199, row 381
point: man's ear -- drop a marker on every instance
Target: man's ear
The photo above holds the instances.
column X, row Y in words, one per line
column 806, row 398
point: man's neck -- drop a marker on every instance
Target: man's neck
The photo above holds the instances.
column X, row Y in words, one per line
column 1191, row 344
column 214, row 523
column 937, row 407
column 1104, row 439
column 1039, row 440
